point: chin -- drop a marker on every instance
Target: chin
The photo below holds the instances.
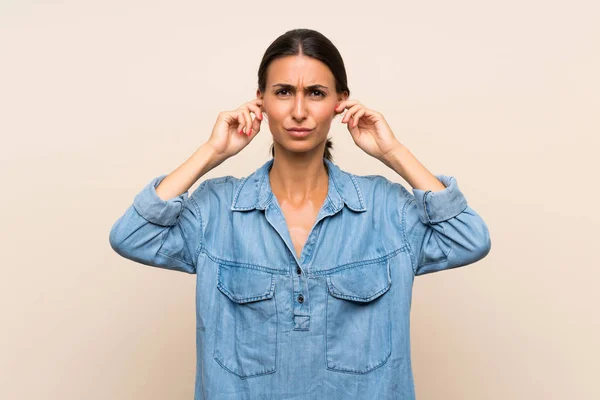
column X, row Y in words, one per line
column 298, row 146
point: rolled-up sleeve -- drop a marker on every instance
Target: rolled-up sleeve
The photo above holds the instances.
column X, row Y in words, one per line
column 160, row 233
column 442, row 230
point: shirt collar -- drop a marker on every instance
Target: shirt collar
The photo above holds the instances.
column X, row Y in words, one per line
column 254, row 192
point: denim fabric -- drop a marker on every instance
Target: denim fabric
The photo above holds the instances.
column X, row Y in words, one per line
column 334, row 324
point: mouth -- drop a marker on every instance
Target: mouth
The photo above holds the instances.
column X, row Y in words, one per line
column 296, row 132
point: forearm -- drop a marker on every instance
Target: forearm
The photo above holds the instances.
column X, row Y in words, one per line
column 180, row 180
column 411, row 170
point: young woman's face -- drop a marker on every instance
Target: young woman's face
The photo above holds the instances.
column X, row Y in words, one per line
column 299, row 93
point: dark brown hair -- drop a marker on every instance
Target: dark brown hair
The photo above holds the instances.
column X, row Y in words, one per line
column 311, row 44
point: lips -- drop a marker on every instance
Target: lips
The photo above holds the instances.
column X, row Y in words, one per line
column 299, row 132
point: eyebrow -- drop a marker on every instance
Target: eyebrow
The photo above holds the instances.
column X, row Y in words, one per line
column 311, row 87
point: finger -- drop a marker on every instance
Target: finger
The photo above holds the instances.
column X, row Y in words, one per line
column 242, row 121
column 256, row 110
column 256, row 103
column 256, row 124
column 351, row 112
column 357, row 117
column 255, row 127
column 248, row 120
column 345, row 104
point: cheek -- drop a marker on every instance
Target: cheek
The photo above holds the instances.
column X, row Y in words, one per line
column 274, row 112
column 324, row 114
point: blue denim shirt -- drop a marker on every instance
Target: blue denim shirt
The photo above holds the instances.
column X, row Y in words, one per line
column 334, row 324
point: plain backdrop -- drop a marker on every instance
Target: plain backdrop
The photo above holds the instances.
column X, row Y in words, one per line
column 99, row 97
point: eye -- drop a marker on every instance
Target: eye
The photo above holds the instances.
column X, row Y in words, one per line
column 320, row 93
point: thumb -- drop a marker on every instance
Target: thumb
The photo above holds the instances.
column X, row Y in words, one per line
column 256, row 125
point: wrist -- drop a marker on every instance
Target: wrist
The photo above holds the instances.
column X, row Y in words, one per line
column 394, row 156
column 206, row 158
column 211, row 154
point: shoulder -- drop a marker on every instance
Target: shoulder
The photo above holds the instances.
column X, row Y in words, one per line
column 378, row 187
column 216, row 189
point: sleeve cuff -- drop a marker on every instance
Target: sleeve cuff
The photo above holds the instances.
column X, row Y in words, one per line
column 156, row 210
column 439, row 206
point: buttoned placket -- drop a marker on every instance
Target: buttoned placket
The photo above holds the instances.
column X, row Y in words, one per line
column 300, row 299
column 300, row 294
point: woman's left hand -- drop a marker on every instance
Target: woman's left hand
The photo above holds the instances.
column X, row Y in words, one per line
column 368, row 128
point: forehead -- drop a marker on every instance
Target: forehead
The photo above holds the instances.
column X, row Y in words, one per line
column 299, row 70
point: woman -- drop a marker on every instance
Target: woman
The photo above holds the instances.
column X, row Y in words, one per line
column 304, row 271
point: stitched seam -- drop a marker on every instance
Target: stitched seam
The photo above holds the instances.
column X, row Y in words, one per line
column 406, row 241
column 260, row 267
column 201, row 234
column 350, row 297
column 216, row 352
column 237, row 194
column 329, row 205
column 269, row 294
column 245, row 299
column 363, row 371
column 337, row 189
column 442, row 219
column 358, row 192
column 425, row 206
column 270, row 198
column 359, row 263
column 243, row 265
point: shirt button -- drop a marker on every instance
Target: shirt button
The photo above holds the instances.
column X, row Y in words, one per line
column 298, row 270
column 300, row 299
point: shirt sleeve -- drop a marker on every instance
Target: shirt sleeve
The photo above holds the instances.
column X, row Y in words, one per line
column 442, row 230
column 160, row 233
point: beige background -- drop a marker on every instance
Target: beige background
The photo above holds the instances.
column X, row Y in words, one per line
column 99, row 97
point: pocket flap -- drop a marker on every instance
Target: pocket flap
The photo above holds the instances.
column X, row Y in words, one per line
column 363, row 283
column 244, row 285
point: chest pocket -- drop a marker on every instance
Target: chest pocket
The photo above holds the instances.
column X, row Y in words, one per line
column 246, row 327
column 358, row 332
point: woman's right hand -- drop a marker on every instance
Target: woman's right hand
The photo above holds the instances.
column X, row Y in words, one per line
column 235, row 129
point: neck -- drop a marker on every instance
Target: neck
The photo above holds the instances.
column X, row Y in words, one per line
column 297, row 178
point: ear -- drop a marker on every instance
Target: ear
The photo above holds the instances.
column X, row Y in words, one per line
column 260, row 96
column 343, row 96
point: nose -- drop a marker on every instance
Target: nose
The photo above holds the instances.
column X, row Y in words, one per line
column 299, row 111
